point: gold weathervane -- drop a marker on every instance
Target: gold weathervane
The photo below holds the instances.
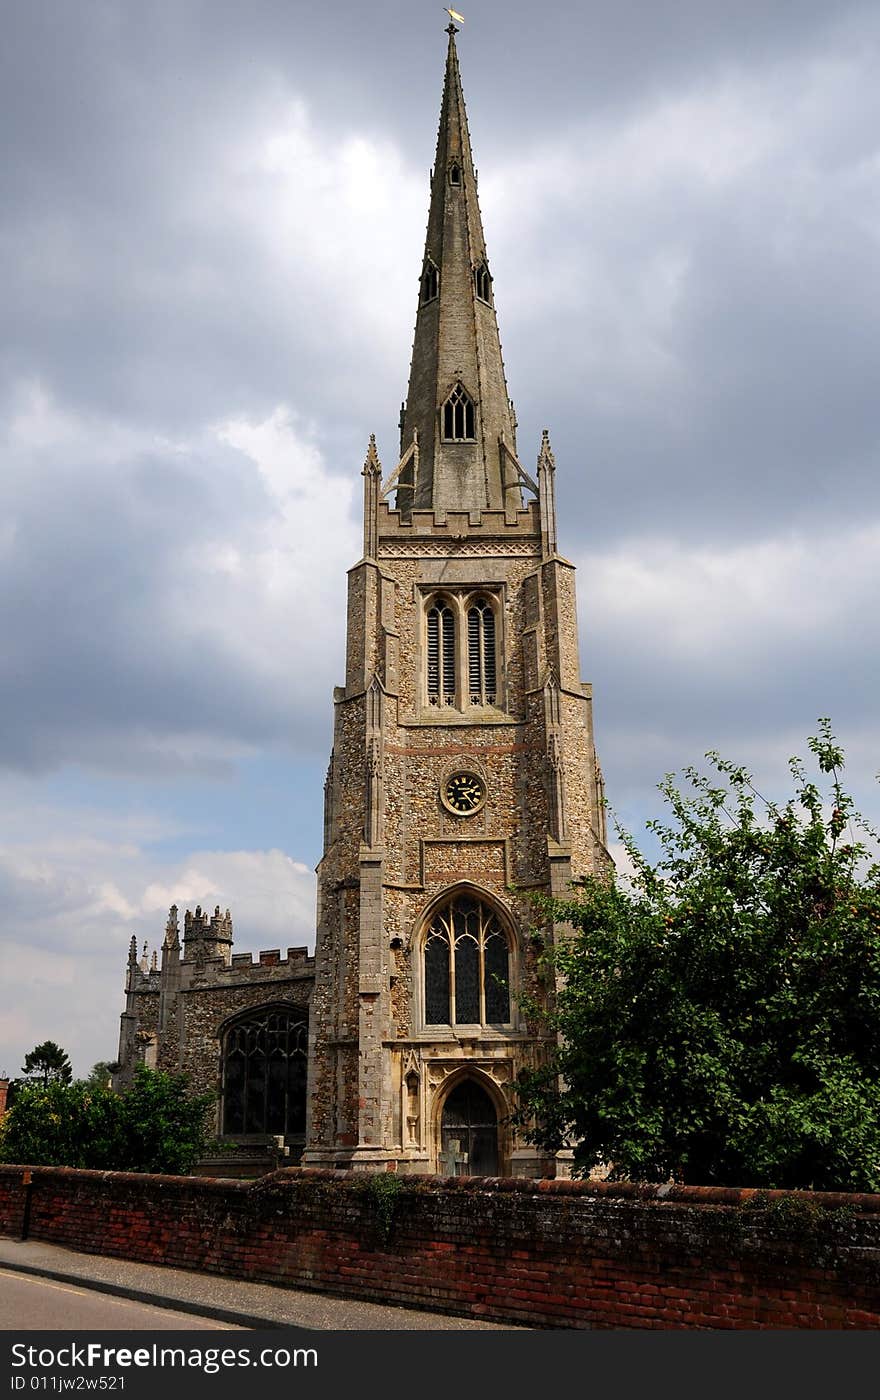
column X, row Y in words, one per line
column 453, row 14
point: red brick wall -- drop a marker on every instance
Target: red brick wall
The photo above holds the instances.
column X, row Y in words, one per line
column 550, row 1253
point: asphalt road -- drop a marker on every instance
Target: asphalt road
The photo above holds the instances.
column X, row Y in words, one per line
column 230, row 1300
column 29, row 1304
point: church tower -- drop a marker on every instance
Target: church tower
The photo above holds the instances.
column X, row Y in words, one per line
column 463, row 776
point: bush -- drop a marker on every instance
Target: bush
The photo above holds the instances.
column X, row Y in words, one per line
column 155, row 1126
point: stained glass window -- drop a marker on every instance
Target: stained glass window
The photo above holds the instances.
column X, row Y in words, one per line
column 264, row 1072
column 467, row 966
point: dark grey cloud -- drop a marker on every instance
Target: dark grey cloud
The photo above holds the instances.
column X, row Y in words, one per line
column 165, row 273
column 125, row 607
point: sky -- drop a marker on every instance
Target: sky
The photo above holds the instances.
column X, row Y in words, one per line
column 211, row 231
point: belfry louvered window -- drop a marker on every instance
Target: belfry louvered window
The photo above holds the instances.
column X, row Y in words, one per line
column 483, row 283
column 481, row 653
column 264, row 1072
column 441, row 655
column 458, row 417
column 467, row 966
column 430, row 283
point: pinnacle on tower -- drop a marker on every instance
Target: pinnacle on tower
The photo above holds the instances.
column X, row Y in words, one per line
column 372, row 475
column 545, row 456
column 372, row 465
column 172, row 929
column 547, row 494
column 457, row 400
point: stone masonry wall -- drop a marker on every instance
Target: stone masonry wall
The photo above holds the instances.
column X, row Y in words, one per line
column 203, row 1010
column 546, row 1254
column 534, row 750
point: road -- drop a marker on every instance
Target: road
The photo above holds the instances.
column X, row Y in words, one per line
column 30, row 1304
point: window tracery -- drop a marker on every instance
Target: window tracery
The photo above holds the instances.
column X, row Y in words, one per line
column 458, row 417
column 466, row 965
column 463, row 657
column 264, row 1072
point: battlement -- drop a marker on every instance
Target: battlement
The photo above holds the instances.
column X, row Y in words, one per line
column 271, row 957
column 207, row 953
column 216, row 928
column 453, row 524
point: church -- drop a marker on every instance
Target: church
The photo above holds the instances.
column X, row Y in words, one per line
column 463, row 780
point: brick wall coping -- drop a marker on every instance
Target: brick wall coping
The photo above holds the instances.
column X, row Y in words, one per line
column 647, row 1192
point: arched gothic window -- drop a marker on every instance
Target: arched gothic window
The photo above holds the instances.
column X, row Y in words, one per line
column 483, row 282
column 458, row 417
column 467, row 965
column 264, row 1072
column 481, row 653
column 441, row 654
column 455, row 174
column 430, row 286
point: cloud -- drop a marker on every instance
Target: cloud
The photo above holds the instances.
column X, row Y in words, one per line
column 148, row 588
column 698, row 267
column 223, row 259
column 73, row 898
column 739, row 649
column 736, row 607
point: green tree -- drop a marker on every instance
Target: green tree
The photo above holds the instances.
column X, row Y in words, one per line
column 164, row 1126
column 100, row 1074
column 157, row 1125
column 60, row 1125
column 48, row 1063
column 719, row 1014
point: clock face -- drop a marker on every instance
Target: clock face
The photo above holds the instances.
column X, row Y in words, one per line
column 463, row 793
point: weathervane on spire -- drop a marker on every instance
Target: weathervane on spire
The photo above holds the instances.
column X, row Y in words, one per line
column 453, row 15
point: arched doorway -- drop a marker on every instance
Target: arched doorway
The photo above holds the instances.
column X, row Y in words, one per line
column 469, row 1132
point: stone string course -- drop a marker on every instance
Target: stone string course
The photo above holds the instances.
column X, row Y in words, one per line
column 546, row 1254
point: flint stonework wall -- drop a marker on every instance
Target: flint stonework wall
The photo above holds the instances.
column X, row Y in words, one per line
column 546, row 1254
column 204, row 1009
column 392, row 754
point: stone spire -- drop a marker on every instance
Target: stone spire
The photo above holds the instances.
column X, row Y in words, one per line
column 457, row 400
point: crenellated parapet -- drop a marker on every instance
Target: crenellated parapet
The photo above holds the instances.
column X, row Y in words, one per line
column 174, row 1008
column 207, row 936
column 484, row 524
